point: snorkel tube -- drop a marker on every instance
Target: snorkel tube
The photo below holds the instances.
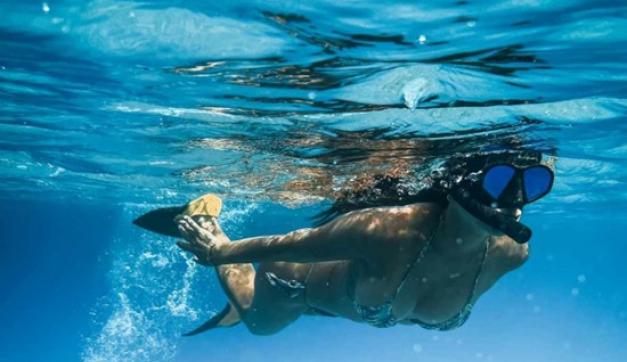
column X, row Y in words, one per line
column 504, row 223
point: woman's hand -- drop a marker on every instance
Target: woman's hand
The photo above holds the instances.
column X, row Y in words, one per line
column 201, row 239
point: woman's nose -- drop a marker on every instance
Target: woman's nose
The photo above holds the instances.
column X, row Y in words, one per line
column 519, row 199
column 514, row 194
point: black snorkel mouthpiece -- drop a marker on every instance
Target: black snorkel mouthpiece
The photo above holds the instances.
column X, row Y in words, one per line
column 504, row 223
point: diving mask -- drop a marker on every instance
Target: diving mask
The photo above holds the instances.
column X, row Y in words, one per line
column 512, row 186
column 497, row 192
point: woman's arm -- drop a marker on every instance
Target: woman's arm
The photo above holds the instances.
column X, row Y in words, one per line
column 356, row 235
column 325, row 243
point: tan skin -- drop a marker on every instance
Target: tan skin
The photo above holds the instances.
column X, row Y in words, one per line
column 376, row 246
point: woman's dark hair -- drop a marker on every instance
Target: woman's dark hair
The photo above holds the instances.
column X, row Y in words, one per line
column 434, row 183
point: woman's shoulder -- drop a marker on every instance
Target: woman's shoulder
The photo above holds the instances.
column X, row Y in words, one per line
column 427, row 207
column 426, row 215
column 417, row 211
column 419, row 217
column 420, row 210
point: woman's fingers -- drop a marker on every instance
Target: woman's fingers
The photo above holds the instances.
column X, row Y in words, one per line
column 193, row 224
column 183, row 230
column 190, row 230
column 183, row 223
column 202, row 233
column 199, row 240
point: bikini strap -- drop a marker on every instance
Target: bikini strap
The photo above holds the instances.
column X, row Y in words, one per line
column 421, row 254
column 306, row 283
column 473, row 292
column 462, row 316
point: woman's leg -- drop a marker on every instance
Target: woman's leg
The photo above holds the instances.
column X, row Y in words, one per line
column 264, row 299
column 268, row 299
column 237, row 280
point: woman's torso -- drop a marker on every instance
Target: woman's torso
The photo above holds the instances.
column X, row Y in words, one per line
column 419, row 282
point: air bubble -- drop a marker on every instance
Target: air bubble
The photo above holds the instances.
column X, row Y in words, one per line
column 581, row 278
column 422, row 39
column 45, row 8
column 529, row 296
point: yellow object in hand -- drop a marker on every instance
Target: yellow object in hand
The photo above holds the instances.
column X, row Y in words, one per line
column 208, row 204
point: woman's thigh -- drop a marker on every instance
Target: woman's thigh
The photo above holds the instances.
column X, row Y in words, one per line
column 279, row 297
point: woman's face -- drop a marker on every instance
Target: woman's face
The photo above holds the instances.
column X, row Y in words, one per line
column 496, row 190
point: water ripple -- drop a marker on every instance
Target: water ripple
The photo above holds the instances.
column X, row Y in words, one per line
column 290, row 101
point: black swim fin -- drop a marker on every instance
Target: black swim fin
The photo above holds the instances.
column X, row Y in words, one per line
column 228, row 317
column 161, row 220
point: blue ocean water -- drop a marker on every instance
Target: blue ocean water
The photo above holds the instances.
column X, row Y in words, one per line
column 109, row 109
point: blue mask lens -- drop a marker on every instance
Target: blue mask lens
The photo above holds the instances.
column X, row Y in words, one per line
column 537, row 182
column 497, row 178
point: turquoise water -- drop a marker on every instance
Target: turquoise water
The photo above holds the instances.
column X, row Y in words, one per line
column 109, row 109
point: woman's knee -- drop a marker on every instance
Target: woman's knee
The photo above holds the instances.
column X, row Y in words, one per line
column 269, row 316
column 259, row 330
column 277, row 302
column 263, row 326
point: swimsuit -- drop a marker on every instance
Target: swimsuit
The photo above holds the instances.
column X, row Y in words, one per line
column 382, row 315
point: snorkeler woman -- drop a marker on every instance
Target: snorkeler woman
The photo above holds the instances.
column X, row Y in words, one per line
column 425, row 262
